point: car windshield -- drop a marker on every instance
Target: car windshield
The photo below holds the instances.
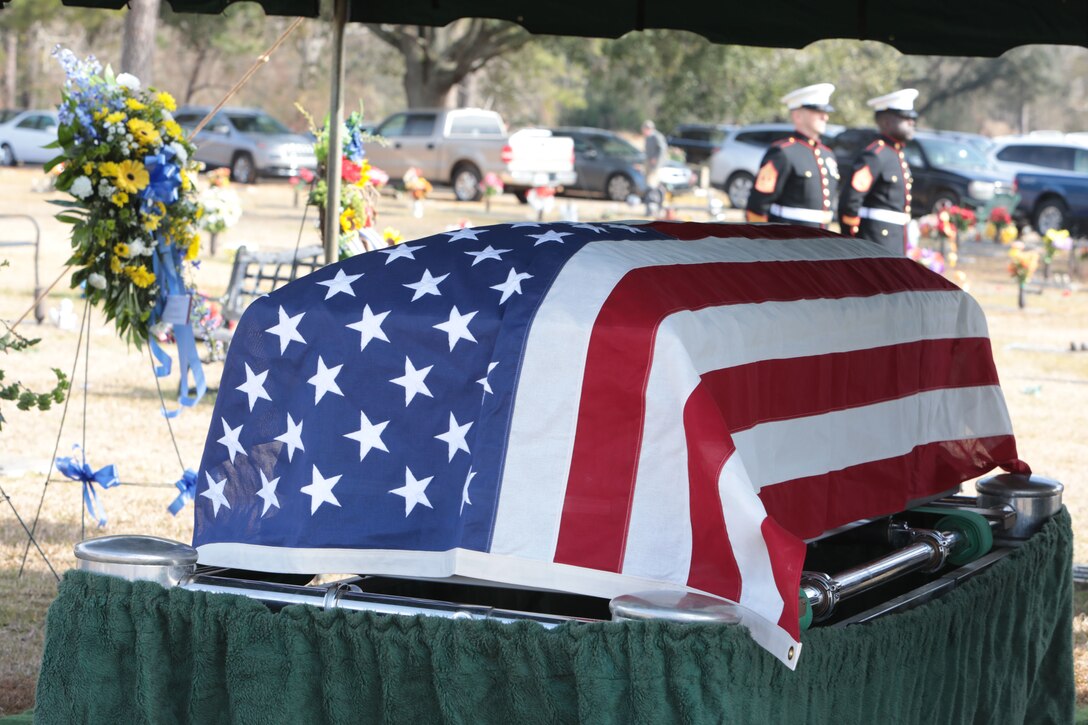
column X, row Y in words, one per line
column 258, row 123
column 952, row 153
column 617, row 147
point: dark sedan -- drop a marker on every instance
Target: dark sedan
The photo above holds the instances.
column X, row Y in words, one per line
column 948, row 169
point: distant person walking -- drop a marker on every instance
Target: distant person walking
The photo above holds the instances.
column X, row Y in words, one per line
column 875, row 205
column 798, row 177
column 654, row 147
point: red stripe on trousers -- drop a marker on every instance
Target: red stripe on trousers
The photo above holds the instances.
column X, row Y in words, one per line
column 601, row 482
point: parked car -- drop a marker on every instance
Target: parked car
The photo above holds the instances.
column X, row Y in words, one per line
column 460, row 146
column 949, row 169
column 1039, row 153
column 734, row 165
column 1053, row 200
column 6, row 114
column 609, row 165
column 23, row 137
column 249, row 142
column 699, row 141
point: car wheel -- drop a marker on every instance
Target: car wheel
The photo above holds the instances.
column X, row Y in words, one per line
column 1051, row 213
column 7, row 156
column 466, row 182
column 739, row 188
column 944, row 199
column 242, row 169
column 619, row 187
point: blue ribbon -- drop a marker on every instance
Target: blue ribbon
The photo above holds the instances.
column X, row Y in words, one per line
column 187, row 486
column 165, row 264
column 164, row 179
column 106, row 477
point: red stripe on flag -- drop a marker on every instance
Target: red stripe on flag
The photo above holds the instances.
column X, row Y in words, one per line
column 601, row 483
column 771, row 390
column 713, row 566
column 691, row 231
column 787, row 560
column 882, row 487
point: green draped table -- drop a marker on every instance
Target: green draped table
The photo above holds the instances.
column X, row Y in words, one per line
column 997, row 649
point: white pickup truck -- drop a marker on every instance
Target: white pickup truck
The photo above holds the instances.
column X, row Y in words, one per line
column 458, row 147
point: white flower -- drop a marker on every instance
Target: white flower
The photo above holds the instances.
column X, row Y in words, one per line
column 179, row 150
column 136, row 248
column 129, row 81
column 96, row 280
column 81, row 187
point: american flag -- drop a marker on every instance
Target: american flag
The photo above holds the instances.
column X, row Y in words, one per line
column 596, row 408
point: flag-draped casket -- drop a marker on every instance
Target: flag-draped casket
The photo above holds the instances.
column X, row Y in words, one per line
column 596, row 408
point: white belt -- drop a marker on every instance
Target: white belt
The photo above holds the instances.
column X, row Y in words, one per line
column 885, row 215
column 819, row 216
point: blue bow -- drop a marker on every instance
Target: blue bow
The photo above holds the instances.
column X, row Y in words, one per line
column 106, row 477
column 187, row 486
column 164, row 178
column 165, row 264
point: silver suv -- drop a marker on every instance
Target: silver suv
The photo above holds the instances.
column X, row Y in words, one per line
column 249, row 142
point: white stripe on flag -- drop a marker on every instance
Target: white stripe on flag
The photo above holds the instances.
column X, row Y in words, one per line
column 816, row 442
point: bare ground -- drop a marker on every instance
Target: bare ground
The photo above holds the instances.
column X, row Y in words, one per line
column 117, row 419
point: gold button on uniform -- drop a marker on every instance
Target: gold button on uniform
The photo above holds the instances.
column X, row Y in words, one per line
column 884, row 232
column 808, row 174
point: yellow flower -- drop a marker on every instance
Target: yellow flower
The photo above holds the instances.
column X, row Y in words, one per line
column 115, row 265
column 121, row 249
column 193, row 250
column 144, row 132
column 134, row 105
column 392, row 236
column 186, row 182
column 166, row 100
column 100, row 113
column 1009, row 233
column 172, row 129
column 348, row 221
column 131, row 176
column 88, row 168
column 119, row 198
column 140, row 276
column 152, row 222
column 115, row 117
column 108, row 168
column 199, row 212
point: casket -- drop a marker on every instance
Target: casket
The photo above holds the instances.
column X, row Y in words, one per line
column 568, row 423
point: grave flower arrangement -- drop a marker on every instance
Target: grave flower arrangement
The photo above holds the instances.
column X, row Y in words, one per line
column 222, row 207
column 134, row 213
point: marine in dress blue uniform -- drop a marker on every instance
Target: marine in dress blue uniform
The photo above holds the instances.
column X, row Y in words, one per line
column 798, row 178
column 875, row 204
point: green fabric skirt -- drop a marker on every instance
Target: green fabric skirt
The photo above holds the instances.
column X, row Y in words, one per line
column 997, row 649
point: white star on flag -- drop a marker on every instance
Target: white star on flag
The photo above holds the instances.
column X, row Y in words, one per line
column 484, row 381
column 413, row 492
column 524, row 224
column 511, row 285
column 320, row 491
column 292, row 438
column 340, row 283
column 590, row 228
column 324, row 381
column 466, row 233
column 254, row 386
column 370, row 327
column 268, row 493
column 550, row 236
column 427, row 285
column 487, row 252
column 454, row 438
column 464, row 492
column 628, row 228
column 287, row 330
column 400, row 251
column 369, row 436
column 215, row 493
column 230, row 440
column 412, row 381
column 457, row 327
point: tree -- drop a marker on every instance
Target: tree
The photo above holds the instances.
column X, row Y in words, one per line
column 212, row 40
column 437, row 59
column 138, row 46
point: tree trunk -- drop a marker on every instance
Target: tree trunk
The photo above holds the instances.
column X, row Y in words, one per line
column 11, row 68
column 138, row 45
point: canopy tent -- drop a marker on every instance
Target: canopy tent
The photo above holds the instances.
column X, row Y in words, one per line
column 916, row 27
